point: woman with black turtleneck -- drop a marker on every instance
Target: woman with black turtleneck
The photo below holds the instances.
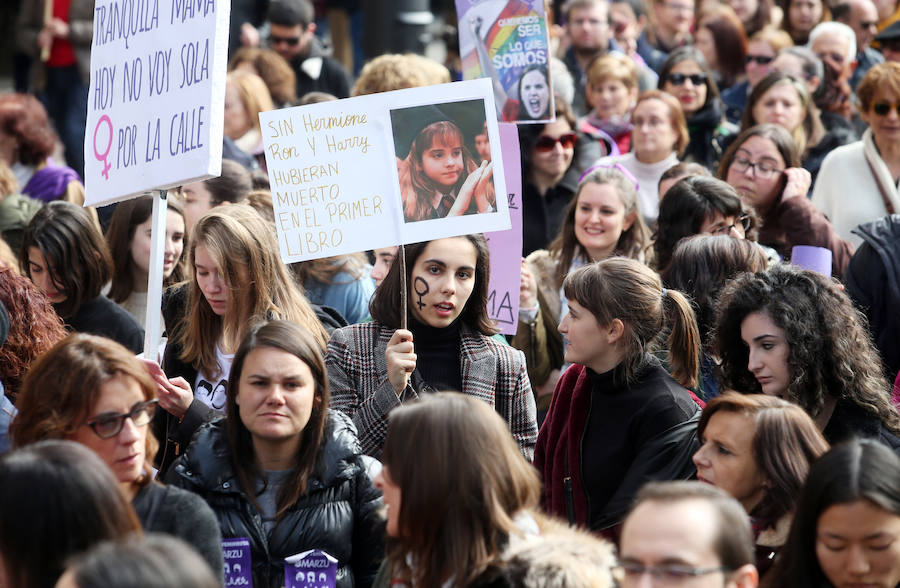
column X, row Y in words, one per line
column 373, row 367
column 617, row 418
column 686, row 76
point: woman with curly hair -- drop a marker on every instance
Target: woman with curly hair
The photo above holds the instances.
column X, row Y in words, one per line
column 34, row 327
column 700, row 267
column 795, row 334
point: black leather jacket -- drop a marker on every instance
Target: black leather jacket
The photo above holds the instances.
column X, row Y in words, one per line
column 339, row 513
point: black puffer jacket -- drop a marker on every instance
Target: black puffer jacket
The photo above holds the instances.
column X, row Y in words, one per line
column 339, row 513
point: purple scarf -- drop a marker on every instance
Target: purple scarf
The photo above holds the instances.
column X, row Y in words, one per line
column 50, row 182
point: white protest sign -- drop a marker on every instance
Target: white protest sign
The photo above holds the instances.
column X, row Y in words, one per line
column 157, row 96
column 384, row 169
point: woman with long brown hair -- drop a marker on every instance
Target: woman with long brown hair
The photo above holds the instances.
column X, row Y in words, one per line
column 94, row 391
column 281, row 469
column 237, row 278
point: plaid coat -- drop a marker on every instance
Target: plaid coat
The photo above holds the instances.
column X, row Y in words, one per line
column 491, row 371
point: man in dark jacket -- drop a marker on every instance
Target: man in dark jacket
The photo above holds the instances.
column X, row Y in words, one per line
column 292, row 35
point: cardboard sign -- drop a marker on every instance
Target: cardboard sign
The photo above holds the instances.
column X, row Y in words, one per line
column 238, row 564
column 385, row 169
column 507, row 41
column 157, row 96
column 310, row 569
column 506, row 246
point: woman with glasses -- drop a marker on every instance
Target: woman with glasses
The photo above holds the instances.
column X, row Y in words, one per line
column 763, row 166
column 698, row 205
column 686, row 76
column 94, row 391
column 601, row 221
column 858, row 182
column 658, row 139
column 784, row 100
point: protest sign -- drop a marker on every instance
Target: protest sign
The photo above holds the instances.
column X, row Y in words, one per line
column 506, row 246
column 384, row 169
column 310, row 569
column 156, row 99
column 507, row 41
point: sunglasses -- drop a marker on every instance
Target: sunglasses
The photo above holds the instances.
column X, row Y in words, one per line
column 276, row 40
column 883, row 108
column 545, row 143
column 760, row 59
column 678, row 79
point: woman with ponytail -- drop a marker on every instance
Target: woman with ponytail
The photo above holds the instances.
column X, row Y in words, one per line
column 618, row 418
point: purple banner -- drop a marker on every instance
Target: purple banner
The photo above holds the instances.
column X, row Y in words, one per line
column 506, row 246
column 238, row 565
column 310, row 569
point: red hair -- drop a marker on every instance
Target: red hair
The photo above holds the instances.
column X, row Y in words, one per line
column 22, row 116
column 34, row 327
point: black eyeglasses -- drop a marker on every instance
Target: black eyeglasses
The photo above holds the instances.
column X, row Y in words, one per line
column 545, row 143
column 276, row 40
column 883, row 108
column 762, row 169
column 741, row 224
column 760, row 59
column 665, row 574
column 678, row 79
column 109, row 425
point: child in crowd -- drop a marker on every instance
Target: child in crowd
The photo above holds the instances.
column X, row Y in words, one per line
column 440, row 178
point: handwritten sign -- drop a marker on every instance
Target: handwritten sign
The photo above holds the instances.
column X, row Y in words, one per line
column 361, row 173
column 156, row 101
column 506, row 246
column 507, row 41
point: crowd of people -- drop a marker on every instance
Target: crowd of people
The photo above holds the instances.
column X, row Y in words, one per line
column 704, row 384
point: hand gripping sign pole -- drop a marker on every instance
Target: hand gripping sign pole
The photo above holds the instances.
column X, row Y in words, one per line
column 154, row 288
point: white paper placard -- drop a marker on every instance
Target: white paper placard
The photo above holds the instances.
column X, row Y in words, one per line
column 157, row 96
column 335, row 169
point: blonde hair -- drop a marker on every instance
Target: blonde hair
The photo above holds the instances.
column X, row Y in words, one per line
column 240, row 242
column 254, row 94
column 613, row 67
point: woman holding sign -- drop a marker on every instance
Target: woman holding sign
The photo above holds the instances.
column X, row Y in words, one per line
column 237, row 277
column 282, row 471
column 374, row 367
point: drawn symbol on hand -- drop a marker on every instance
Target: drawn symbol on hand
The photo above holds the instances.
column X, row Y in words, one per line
column 103, row 156
column 421, row 288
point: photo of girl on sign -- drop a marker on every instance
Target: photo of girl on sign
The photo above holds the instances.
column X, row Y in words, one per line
column 439, row 177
